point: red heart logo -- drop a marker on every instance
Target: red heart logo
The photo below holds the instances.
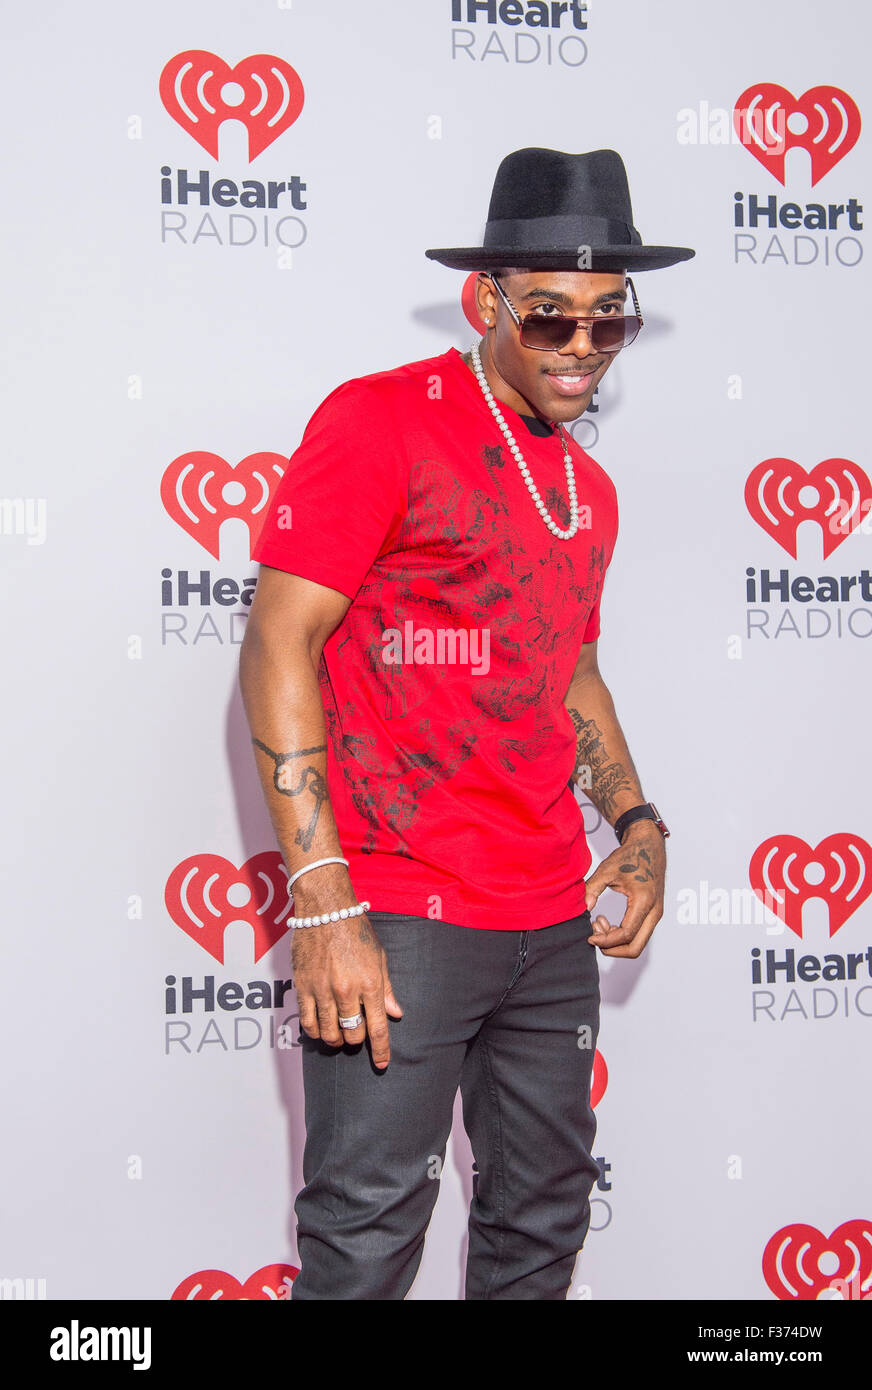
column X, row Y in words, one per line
column 762, row 117
column 197, row 899
column 200, row 91
column 599, row 1079
column 273, row 1282
column 839, row 497
column 193, row 490
column 469, row 304
column 791, row 1260
column 785, row 872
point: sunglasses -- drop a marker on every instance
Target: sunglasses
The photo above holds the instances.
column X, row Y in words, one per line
column 546, row 332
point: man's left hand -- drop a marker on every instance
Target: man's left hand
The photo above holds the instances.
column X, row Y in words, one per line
column 637, row 868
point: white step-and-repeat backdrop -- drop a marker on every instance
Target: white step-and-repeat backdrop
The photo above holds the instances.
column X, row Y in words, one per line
column 192, row 264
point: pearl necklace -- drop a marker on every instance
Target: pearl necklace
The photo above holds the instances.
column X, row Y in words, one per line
column 521, row 462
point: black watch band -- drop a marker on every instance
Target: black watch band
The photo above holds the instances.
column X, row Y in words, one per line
column 646, row 812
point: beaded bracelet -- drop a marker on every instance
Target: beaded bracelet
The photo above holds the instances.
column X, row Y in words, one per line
column 339, row 915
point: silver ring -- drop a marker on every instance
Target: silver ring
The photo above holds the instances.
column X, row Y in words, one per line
column 353, row 1022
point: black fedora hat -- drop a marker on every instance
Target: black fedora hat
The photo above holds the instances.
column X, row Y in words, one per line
column 547, row 207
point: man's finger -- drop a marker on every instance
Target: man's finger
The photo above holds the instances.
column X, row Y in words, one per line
column 328, row 1020
column 634, row 915
column 607, row 936
column 347, row 1008
column 614, row 943
column 594, row 887
column 392, row 1004
column 377, row 1027
column 601, row 879
column 631, row 922
column 308, row 1014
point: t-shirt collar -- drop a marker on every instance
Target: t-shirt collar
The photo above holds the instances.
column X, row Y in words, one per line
column 532, row 423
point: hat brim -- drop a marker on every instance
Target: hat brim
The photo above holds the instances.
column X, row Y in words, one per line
column 606, row 258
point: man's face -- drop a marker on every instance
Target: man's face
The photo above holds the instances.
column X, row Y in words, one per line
column 558, row 384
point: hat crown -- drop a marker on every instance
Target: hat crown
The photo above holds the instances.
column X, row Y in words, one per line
column 536, row 182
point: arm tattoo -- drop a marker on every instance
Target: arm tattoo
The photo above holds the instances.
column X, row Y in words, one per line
column 309, row 779
column 605, row 779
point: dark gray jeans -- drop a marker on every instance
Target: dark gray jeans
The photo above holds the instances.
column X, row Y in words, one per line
column 499, row 1014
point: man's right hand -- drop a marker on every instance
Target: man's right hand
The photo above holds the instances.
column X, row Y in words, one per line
column 340, row 969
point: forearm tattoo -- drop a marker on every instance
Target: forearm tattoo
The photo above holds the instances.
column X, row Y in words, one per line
column 603, row 780
column 293, row 782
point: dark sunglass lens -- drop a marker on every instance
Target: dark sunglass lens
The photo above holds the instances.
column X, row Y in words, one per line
column 611, row 334
column 546, row 331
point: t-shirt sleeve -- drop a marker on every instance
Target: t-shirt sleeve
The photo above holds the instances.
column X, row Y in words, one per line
column 593, row 629
column 342, row 494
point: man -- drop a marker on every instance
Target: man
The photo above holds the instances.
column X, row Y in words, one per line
column 420, row 677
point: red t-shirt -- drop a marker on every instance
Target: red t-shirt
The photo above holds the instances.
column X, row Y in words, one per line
column 450, row 748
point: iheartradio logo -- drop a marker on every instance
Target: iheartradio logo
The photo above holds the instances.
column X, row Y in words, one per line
column 770, row 121
column 271, row 1283
column 200, row 91
column 801, row 1263
column 206, row 893
column 785, row 872
column 200, row 491
column 836, row 494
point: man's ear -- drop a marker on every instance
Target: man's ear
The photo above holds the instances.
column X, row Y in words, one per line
column 484, row 279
